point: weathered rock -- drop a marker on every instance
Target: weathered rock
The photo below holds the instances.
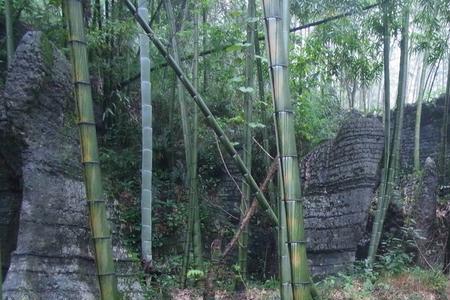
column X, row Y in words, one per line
column 43, row 189
column 430, row 132
column 339, row 179
column 424, row 214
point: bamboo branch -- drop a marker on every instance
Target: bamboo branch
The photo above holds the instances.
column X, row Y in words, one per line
column 252, row 209
column 210, row 119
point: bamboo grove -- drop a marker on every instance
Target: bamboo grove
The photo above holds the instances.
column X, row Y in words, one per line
column 284, row 207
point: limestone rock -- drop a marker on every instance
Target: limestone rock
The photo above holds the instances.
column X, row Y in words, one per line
column 339, row 179
column 43, row 204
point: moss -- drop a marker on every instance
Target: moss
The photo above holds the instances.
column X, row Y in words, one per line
column 47, row 51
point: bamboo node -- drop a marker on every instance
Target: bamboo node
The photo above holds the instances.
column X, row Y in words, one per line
column 84, row 82
column 85, row 123
column 73, row 41
column 106, row 274
column 285, row 111
column 293, row 200
column 297, row 242
column 272, row 18
column 90, row 162
column 303, row 283
column 106, row 237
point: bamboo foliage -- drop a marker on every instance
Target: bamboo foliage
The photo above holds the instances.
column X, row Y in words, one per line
column 9, row 33
column 299, row 285
column 247, row 151
column 210, row 119
column 147, row 135
column 94, row 191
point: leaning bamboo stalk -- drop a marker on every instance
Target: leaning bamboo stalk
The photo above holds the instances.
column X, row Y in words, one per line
column 276, row 15
column 94, row 191
column 210, row 119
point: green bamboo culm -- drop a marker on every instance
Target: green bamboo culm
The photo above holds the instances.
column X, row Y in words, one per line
column 101, row 232
column 276, row 15
column 247, row 150
column 147, row 136
column 419, row 101
column 9, row 33
column 193, row 236
column 210, row 119
column 387, row 131
column 390, row 178
column 193, row 186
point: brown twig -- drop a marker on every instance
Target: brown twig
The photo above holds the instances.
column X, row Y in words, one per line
column 252, row 209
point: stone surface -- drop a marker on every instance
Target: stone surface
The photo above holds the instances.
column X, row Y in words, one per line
column 424, row 215
column 42, row 192
column 339, row 180
column 430, row 132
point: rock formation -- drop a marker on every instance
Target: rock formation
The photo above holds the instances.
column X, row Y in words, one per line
column 339, row 180
column 424, row 215
column 44, row 230
column 430, row 132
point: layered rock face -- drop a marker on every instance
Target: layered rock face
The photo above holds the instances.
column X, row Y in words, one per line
column 339, row 180
column 430, row 133
column 43, row 205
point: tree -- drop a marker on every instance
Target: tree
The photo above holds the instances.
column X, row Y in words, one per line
column 298, row 286
column 147, row 135
column 101, row 232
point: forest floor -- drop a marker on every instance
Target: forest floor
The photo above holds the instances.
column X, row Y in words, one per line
column 413, row 284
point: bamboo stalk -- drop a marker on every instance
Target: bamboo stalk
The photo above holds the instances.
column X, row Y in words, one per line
column 147, row 135
column 197, row 238
column 210, row 119
column 276, row 14
column 394, row 159
column 9, row 33
column 100, row 228
column 251, row 210
column 387, row 131
column 247, row 150
column 419, row 114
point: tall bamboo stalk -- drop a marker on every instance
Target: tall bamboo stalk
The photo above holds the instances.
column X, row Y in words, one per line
column 9, row 33
column 147, row 136
column 248, row 112
column 276, row 14
column 191, row 157
column 394, row 158
column 193, row 187
column 94, row 191
column 210, row 119
column 387, row 130
column 419, row 100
